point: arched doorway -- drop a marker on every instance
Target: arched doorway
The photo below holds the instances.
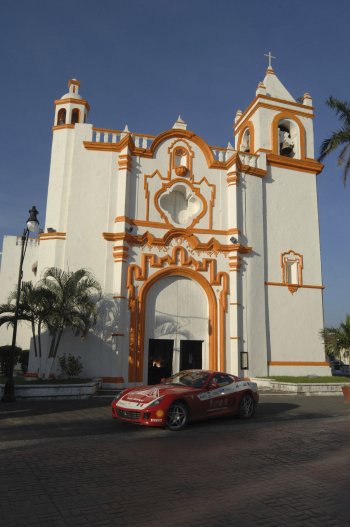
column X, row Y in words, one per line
column 176, row 327
column 138, row 365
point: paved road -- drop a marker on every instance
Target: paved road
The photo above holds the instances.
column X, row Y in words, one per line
column 66, row 463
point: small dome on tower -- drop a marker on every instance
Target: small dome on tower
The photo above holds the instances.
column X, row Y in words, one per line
column 73, row 93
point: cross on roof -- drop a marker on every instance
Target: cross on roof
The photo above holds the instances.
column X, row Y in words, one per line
column 270, row 56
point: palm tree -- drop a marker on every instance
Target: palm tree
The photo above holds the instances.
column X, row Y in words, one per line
column 58, row 301
column 341, row 138
column 35, row 304
column 73, row 304
column 337, row 340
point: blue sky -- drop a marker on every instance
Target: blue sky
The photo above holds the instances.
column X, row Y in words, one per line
column 143, row 62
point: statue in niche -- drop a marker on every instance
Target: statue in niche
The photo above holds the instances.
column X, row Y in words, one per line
column 181, row 161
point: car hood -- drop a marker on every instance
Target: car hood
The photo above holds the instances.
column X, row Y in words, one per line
column 141, row 397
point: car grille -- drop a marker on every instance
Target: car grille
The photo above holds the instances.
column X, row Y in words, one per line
column 127, row 414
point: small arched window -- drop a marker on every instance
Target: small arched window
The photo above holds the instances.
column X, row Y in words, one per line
column 245, row 143
column 75, row 116
column 288, row 138
column 61, row 117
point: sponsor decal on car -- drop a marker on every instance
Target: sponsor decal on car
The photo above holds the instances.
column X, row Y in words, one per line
column 227, row 389
column 137, row 399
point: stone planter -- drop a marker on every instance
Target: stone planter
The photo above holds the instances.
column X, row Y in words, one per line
column 55, row 391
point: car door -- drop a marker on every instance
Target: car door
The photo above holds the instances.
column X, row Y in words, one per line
column 217, row 397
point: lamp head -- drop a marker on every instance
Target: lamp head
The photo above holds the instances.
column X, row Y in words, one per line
column 32, row 222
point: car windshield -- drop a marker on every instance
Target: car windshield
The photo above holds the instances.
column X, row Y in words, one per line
column 189, row 378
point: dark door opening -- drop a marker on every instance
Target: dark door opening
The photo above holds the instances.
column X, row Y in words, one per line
column 190, row 354
column 160, row 359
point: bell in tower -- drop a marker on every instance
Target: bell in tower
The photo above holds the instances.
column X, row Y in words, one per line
column 286, row 145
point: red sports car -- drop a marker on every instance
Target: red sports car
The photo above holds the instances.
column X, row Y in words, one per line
column 190, row 395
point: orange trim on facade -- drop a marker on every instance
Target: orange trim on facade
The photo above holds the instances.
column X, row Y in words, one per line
column 83, row 102
column 234, row 263
column 264, row 101
column 233, row 178
column 52, row 236
column 289, row 115
column 250, row 127
column 62, row 126
column 159, row 225
column 211, row 162
column 125, row 162
column 289, row 163
column 247, row 169
column 296, row 363
column 183, row 170
column 281, row 284
column 179, row 263
column 75, row 82
column 292, row 257
column 213, row 245
column 166, row 186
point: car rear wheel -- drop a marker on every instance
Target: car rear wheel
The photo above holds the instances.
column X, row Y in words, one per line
column 246, row 406
column 177, row 416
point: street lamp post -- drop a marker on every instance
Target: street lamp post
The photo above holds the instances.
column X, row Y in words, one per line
column 32, row 226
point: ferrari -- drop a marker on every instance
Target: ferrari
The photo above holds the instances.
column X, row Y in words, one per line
column 187, row 396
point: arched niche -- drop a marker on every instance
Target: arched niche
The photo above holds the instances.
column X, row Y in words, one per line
column 288, row 136
column 61, row 116
column 245, row 141
column 75, row 116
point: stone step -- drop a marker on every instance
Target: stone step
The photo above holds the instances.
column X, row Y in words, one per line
column 106, row 392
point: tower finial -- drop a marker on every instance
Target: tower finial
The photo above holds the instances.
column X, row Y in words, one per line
column 270, row 56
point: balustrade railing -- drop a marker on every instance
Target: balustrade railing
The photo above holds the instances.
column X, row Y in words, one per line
column 248, row 159
column 101, row 135
column 222, row 154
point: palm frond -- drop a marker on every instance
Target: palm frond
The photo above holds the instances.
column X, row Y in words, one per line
column 342, row 109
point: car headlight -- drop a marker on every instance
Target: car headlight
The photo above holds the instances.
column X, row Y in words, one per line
column 156, row 401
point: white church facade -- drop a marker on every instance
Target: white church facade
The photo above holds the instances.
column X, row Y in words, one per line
column 208, row 257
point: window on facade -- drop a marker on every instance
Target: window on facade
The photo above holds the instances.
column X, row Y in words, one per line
column 292, row 267
column 292, row 273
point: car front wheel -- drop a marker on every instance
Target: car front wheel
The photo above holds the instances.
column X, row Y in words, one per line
column 177, row 416
column 246, row 406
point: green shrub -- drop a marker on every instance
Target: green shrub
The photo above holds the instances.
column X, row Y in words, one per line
column 70, row 365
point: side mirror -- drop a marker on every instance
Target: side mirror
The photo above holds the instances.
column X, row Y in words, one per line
column 213, row 385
